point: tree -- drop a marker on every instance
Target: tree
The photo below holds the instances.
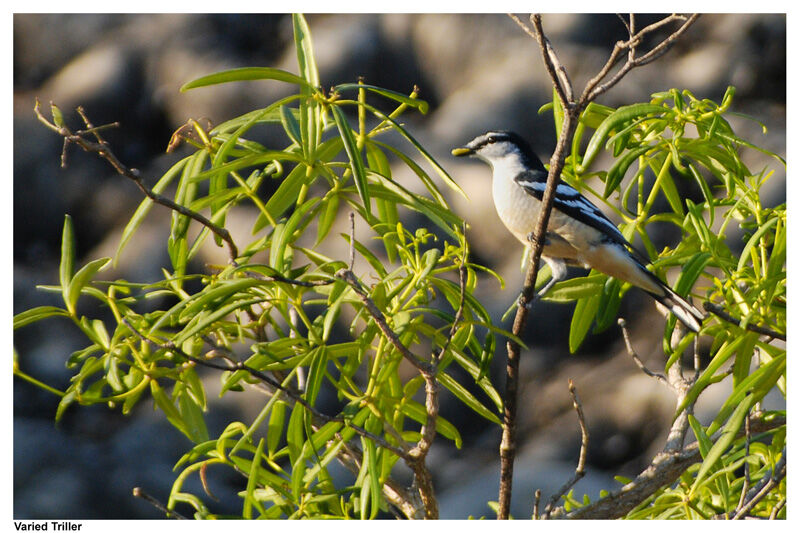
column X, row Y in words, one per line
column 382, row 329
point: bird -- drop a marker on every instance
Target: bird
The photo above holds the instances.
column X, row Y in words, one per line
column 578, row 233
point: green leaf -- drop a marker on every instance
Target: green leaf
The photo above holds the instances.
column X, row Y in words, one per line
column 286, row 236
column 246, row 74
column 424, row 153
column 37, row 313
column 277, row 419
column 316, row 373
column 68, row 399
column 416, row 411
column 250, row 500
column 163, row 401
column 285, row 196
column 327, row 217
column 724, row 442
column 620, row 167
column 295, row 433
column 204, row 320
column 577, row 288
column 467, row 398
column 216, row 294
column 81, row 278
column 582, row 318
column 757, row 384
column 614, row 122
column 291, row 125
column 416, row 103
column 192, row 414
column 67, row 265
column 354, row 155
column 305, row 52
column 144, row 208
column 691, row 271
column 753, row 240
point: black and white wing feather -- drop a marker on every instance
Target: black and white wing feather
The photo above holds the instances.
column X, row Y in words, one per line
column 572, row 203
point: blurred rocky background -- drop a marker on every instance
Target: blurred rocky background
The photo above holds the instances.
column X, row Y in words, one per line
column 478, row 72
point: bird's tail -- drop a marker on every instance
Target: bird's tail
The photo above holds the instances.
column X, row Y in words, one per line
column 691, row 317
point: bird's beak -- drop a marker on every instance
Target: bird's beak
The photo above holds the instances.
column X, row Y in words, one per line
column 462, row 151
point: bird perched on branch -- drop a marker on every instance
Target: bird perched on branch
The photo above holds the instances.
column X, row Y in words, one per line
column 578, row 233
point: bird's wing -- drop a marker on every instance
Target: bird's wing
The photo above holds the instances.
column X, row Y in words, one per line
column 572, row 203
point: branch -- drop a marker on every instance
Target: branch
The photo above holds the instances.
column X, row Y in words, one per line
column 660, row 377
column 763, row 487
column 580, row 470
column 664, row 469
column 139, row 492
column 103, row 150
column 721, row 313
column 572, row 110
column 594, row 88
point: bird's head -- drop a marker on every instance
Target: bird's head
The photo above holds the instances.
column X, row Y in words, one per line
column 494, row 146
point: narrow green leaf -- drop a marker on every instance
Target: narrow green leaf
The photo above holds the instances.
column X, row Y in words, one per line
column 424, row 153
column 68, row 399
column 295, row 433
column 620, row 167
column 700, row 434
column 277, row 419
column 250, row 500
column 246, row 74
column 286, row 237
column 37, row 313
column 467, row 398
column 215, row 294
column 577, row 288
column 164, row 403
column 192, row 415
column 692, row 270
column 582, row 318
column 416, row 103
column 614, row 122
column 305, row 51
column 724, row 442
column 416, row 411
column 290, row 125
column 354, row 155
column 327, row 216
column 204, row 320
column 81, row 278
column 285, row 196
column 753, row 240
column 757, row 384
column 144, row 208
column 316, row 373
column 67, row 265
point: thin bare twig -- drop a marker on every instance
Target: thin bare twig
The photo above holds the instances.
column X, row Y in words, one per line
column 595, row 88
column 746, row 484
column 102, row 149
column 763, row 487
column 623, row 326
column 139, row 492
column 580, row 470
column 537, row 497
column 777, row 509
column 557, row 72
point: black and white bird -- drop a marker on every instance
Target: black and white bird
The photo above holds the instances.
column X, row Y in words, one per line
column 578, row 233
